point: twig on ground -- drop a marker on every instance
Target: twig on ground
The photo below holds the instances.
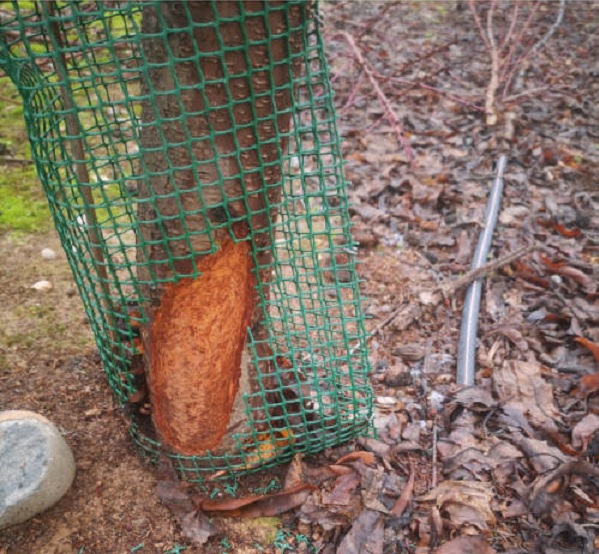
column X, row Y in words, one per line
column 390, row 113
column 531, row 92
column 463, row 281
column 11, row 160
column 423, row 86
column 352, row 95
column 452, row 287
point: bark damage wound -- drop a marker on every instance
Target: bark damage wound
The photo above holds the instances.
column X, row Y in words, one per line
column 196, row 330
column 196, row 343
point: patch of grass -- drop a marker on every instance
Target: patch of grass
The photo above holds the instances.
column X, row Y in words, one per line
column 23, row 207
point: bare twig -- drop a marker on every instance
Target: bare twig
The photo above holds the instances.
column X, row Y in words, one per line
column 390, row 113
column 451, row 288
column 479, row 25
column 505, row 61
column 447, row 290
column 513, row 22
column 352, row 96
column 417, row 84
column 11, row 160
column 531, row 92
column 510, row 65
column 494, row 81
column 509, row 69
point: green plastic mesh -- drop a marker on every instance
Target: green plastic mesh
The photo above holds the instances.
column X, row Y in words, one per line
column 84, row 76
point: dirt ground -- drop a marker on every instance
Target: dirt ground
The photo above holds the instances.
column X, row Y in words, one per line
column 417, row 213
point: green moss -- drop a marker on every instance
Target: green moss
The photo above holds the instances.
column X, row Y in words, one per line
column 23, row 207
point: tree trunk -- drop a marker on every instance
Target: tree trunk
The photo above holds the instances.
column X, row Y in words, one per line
column 212, row 135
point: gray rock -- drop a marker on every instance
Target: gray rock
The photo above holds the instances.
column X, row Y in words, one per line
column 36, row 466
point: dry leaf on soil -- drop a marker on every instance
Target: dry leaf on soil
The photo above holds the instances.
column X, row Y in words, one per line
column 520, row 384
column 466, row 545
column 464, row 503
column 584, row 431
column 259, row 506
column 177, row 497
column 366, row 535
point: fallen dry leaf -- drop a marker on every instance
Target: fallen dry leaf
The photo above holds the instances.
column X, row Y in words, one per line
column 549, row 491
column 178, row 498
column 521, row 385
column 590, row 345
column 295, row 473
column 367, row 458
column 466, row 545
column 258, row 506
column 561, row 229
column 584, row 431
column 587, row 282
column 197, row 528
column 366, row 535
column 344, row 489
column 588, row 385
column 464, row 503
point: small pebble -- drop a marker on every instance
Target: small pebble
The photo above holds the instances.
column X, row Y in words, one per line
column 48, row 254
column 43, row 286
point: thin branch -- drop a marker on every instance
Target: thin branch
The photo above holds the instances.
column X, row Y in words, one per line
column 479, row 25
column 494, row 81
column 11, row 160
column 391, row 115
column 553, row 28
column 532, row 91
column 451, row 288
column 417, row 84
column 509, row 67
column 513, row 22
column 352, row 96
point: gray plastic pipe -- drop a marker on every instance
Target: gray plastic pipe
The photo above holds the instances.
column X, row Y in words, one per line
column 469, row 328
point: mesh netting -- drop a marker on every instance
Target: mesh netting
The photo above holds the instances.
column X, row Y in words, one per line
column 190, row 157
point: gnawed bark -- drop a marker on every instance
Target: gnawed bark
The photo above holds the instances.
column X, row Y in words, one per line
column 207, row 206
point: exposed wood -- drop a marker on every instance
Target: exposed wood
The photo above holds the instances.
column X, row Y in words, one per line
column 196, row 344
